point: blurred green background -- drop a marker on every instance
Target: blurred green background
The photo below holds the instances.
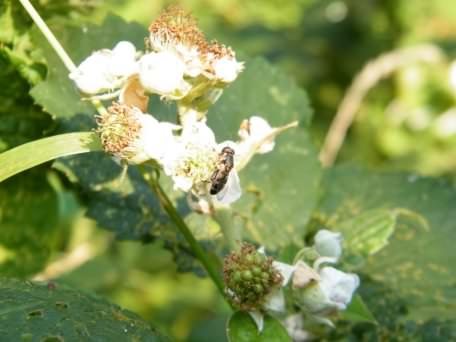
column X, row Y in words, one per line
column 406, row 121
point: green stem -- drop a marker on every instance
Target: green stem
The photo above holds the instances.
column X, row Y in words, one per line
column 168, row 206
column 58, row 48
column 48, row 35
column 230, row 231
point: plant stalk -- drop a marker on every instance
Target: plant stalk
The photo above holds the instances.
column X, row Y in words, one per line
column 58, row 48
column 211, row 268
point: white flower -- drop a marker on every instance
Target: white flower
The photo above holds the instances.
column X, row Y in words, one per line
column 227, row 68
column 193, row 160
column 163, row 73
column 131, row 135
column 295, row 328
column 254, row 130
column 338, row 286
column 329, row 244
column 333, row 291
column 257, row 136
column 123, row 60
column 105, row 70
column 191, row 58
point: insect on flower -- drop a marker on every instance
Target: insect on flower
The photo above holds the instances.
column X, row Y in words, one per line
column 225, row 164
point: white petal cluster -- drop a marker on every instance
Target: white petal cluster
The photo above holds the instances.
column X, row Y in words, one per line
column 317, row 289
column 106, row 70
column 180, row 65
column 322, row 289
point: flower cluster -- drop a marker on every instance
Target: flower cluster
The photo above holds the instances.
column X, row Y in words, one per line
column 317, row 289
column 180, row 65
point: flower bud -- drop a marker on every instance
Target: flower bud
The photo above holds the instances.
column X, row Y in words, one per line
column 329, row 244
column 250, row 277
column 163, row 73
column 333, row 291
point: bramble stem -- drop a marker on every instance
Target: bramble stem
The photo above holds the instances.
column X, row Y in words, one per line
column 229, row 230
column 58, row 48
column 211, row 268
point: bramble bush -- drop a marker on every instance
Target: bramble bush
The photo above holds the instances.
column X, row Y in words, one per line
column 163, row 136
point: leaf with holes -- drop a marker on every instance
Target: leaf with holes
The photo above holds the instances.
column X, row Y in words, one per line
column 48, row 312
column 418, row 263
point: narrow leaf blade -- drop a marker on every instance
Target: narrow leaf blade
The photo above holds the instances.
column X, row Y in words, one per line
column 40, row 151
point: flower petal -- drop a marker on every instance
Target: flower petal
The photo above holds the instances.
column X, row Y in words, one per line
column 123, row 62
column 276, row 301
column 231, row 192
column 92, row 75
column 258, row 318
column 285, row 270
column 338, row 286
column 328, row 243
column 227, row 69
column 162, row 73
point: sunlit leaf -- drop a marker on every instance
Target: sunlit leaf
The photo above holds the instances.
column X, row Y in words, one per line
column 40, row 151
column 242, row 328
column 280, row 188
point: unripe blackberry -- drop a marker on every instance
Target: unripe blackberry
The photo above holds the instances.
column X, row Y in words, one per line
column 249, row 278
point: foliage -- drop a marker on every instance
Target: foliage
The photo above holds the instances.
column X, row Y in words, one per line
column 398, row 227
column 242, row 328
column 49, row 312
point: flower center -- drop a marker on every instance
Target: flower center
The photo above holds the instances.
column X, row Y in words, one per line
column 198, row 163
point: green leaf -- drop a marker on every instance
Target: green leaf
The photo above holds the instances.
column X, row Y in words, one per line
column 121, row 203
column 57, row 94
column 365, row 234
column 242, row 328
column 418, row 262
column 281, row 187
column 40, row 151
column 48, row 312
column 391, row 312
column 28, row 223
column 20, row 120
column 358, row 311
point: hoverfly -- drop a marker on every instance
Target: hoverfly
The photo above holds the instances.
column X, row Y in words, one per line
column 225, row 164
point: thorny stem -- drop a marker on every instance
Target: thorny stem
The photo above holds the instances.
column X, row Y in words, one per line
column 211, row 268
column 58, row 48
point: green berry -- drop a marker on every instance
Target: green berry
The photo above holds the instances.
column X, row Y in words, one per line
column 258, row 288
column 247, row 275
column 249, row 258
column 237, row 277
column 256, row 270
column 259, row 258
